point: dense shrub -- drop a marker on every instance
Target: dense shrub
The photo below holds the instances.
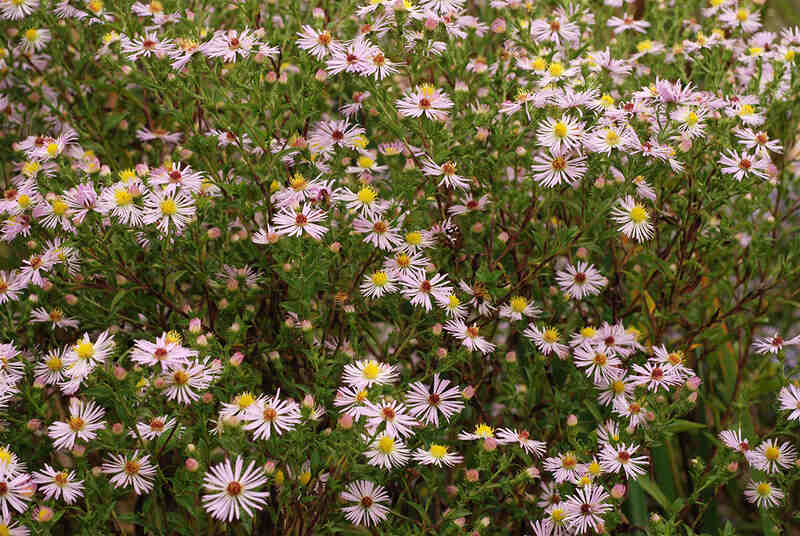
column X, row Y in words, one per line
column 432, row 267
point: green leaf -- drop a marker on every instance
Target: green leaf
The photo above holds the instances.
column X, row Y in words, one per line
column 681, row 425
column 654, row 491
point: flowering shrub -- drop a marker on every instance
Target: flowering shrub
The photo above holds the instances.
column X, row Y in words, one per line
column 432, row 267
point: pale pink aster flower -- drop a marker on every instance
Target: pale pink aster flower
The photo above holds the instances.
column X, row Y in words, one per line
column 318, row 43
column 427, row 403
column 81, row 200
column 655, row 377
column 271, row 413
column 560, row 135
column 230, row 45
column 610, row 390
column 554, row 168
column 424, row 100
column 627, row 23
column 469, row 336
column 733, row 440
column 12, row 369
column 57, row 484
column 743, row 165
column 585, row 509
column 351, row 400
column 85, row 419
column 85, row 355
column 450, row 179
column 164, row 351
column 185, row 379
column 633, row 218
column 518, row 308
column 469, row 204
column 621, row 457
column 387, row 452
column 178, row 178
column 789, row 398
column 757, row 140
column 564, row 467
column 437, row 455
column 773, row 343
column 391, row 413
column 378, row 284
column 154, row 427
column 599, row 365
column 370, row 503
column 329, row 134
column 55, row 317
column 18, row 9
column 632, row 409
column 294, row 223
column 547, row 340
column 763, row 494
column 353, row 58
column 482, row 431
column 368, row 372
column 672, row 360
column 11, row 285
column 146, row 46
column 557, row 30
column 13, row 528
column 507, row 436
column 14, row 492
column 145, row 134
column 771, row 456
column 131, row 471
column 418, row 288
column 119, row 201
column 233, row 489
column 366, row 201
column 742, row 17
column 582, row 281
column 378, row 231
column 50, row 370
column 168, row 209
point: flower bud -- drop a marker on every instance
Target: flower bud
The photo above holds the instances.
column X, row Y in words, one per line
column 489, row 444
column 346, row 422
column 236, row 359
column 44, row 514
column 437, row 329
column 441, row 352
column 120, row 372
column 572, row 420
column 191, row 465
column 618, row 491
column 34, row 424
column 472, row 475
column 117, row 428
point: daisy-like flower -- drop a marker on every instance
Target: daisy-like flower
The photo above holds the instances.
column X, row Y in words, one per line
column 352, row 401
column 610, row 137
column 35, row 39
column 15, row 490
column 655, row 377
column 450, row 178
column 85, row 355
column 547, row 340
column 742, row 17
column 50, row 370
column 12, row 369
column 85, row 419
column 610, row 390
column 453, row 306
column 271, row 413
column 368, row 372
column 405, row 264
column 131, row 471
column 771, row 456
column 427, row 403
column 632, row 409
column 233, row 489
column 353, row 57
column 733, row 440
column 119, row 200
column 773, row 343
column 424, row 100
column 674, row 361
column 621, row 457
column 154, row 427
column 57, row 484
column 414, row 241
column 743, row 165
column 789, row 397
column 393, row 415
column 469, row 205
column 378, row 231
column 144, row 47
column 317, row 43
column 757, row 140
column 166, row 352
column 633, row 218
column 184, row 380
column 168, row 209
column 507, row 436
column 565, row 467
column 469, row 336
column 10, row 286
column 18, row 9
column 627, row 23
column 7, row 526
column 582, row 281
column 370, row 503
column 238, row 406
column 519, row 307
column 437, row 455
column 585, row 509
column 178, row 178
column 230, row 45
column 294, row 223
column 763, row 494
column 366, row 201
column 378, row 284
column 554, row 168
column 560, row 135
column 482, row 431
column 419, row 289
column 387, row 452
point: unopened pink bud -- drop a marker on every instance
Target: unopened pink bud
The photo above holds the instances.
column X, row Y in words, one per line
column 572, row 420
column 117, row 428
column 468, row 392
column 346, row 422
column 34, row 424
column 191, row 465
column 489, row 444
column 236, row 359
column 120, row 372
column 618, row 491
column 472, row 475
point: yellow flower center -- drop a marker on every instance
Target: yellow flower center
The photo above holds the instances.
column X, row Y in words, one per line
column 763, row 489
column 588, row 332
column 365, row 162
column 618, row 387
column 52, row 149
column 747, row 109
column 558, row 515
column 556, row 69
column 595, row 469
column 126, row 175
column 414, row 238
column 173, row 337
column 438, row 451
column 644, row 46
column 305, row 478
column 31, row 168
column 742, row 15
column 95, row 6
column 453, row 301
column 85, row 350
column 550, row 335
column 24, row 201
column 518, row 304
column 31, row 35
column 371, row 370
column 386, row 445
column 560, row 130
column 122, row 197
column 168, row 207
column 772, row 453
column 5, row 456
column 539, row 64
column 54, row 363
column 612, row 138
column 692, row 119
column 484, row 431
column 638, row 214
column 298, row 183
column 4, row 530
column 245, row 399
column 59, row 207
column 789, row 56
column 607, row 100
column 379, row 279
column 367, row 195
